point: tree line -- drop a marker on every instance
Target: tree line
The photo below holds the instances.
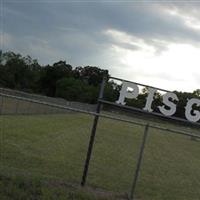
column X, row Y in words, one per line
column 71, row 83
column 57, row 80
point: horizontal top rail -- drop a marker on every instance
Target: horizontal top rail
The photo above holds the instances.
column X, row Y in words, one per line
column 149, row 113
column 119, row 79
column 101, row 115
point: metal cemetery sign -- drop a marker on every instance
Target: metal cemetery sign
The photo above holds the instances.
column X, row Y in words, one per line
column 130, row 90
column 167, row 108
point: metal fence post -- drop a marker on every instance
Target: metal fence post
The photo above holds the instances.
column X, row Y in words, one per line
column 16, row 106
column 92, row 136
column 1, row 129
column 139, row 161
column 1, row 106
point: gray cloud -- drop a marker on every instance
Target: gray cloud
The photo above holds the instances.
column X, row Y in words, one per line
column 74, row 31
column 144, row 21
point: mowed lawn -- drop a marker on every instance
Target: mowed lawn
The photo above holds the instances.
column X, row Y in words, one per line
column 43, row 155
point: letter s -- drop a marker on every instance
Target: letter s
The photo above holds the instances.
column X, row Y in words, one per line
column 171, row 105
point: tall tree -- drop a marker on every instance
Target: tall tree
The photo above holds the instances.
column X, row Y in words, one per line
column 51, row 74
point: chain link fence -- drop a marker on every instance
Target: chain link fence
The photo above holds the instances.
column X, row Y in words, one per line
column 49, row 141
column 39, row 140
column 20, row 106
column 170, row 167
column 114, row 155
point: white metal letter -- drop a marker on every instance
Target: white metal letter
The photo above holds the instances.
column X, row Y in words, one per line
column 125, row 93
column 151, row 92
column 170, row 104
column 196, row 114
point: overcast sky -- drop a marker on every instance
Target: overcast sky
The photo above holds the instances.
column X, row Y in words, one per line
column 154, row 42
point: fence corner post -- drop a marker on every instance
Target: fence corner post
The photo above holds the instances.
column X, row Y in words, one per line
column 92, row 136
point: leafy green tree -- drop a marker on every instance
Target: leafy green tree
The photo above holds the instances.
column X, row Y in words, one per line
column 51, row 74
column 76, row 90
column 93, row 75
column 196, row 93
column 111, row 91
column 15, row 71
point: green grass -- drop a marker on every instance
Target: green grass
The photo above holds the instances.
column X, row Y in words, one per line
column 22, row 188
column 38, row 151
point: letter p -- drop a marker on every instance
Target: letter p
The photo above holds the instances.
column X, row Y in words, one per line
column 129, row 90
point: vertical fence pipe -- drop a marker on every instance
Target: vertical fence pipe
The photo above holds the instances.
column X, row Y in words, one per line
column 16, row 106
column 1, row 129
column 139, row 161
column 1, row 105
column 92, row 136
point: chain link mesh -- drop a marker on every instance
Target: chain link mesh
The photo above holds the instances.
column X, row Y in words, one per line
column 41, row 141
column 170, row 168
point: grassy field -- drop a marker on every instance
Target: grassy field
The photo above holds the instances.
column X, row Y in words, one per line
column 42, row 157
